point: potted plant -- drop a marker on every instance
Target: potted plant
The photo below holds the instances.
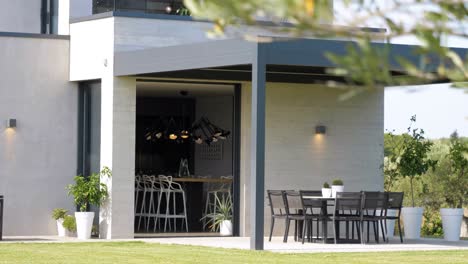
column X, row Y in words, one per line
column 221, row 219
column 413, row 163
column 69, row 223
column 337, row 186
column 58, row 215
column 326, row 190
column 457, row 182
column 87, row 191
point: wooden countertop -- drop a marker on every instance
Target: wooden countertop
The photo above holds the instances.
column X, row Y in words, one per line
column 202, row 180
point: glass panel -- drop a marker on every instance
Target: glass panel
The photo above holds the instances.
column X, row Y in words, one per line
column 144, row 6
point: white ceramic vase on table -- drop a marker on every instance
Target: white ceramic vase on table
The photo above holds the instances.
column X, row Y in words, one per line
column 336, row 188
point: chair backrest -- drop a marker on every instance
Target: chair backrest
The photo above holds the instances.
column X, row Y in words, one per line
column 373, row 201
column 311, row 203
column 293, row 202
column 312, row 206
column 276, row 200
column 351, row 201
column 395, row 200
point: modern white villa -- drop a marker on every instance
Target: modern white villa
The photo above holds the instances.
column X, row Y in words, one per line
column 92, row 83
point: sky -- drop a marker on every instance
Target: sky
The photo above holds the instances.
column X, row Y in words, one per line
column 439, row 109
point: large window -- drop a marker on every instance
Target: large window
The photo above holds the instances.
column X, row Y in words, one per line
column 144, row 6
column 49, row 17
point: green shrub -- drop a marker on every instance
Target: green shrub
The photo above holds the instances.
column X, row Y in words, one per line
column 69, row 223
column 89, row 190
column 337, row 182
column 326, row 185
column 59, row 213
column 432, row 225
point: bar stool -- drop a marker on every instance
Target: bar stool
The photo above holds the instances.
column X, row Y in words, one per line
column 170, row 190
column 140, row 187
column 155, row 192
column 217, row 192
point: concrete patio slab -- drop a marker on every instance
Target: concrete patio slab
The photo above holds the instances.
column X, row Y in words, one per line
column 275, row 246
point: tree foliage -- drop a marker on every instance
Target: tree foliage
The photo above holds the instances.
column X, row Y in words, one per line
column 89, row 190
column 366, row 65
column 410, row 157
column 455, row 182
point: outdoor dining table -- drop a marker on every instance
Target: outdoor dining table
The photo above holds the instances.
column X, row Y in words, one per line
column 323, row 212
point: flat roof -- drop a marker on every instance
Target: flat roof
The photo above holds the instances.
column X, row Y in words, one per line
column 287, row 60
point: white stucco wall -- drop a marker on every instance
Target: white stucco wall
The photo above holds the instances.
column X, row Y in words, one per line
column 296, row 158
column 91, row 49
column 20, row 16
column 38, row 158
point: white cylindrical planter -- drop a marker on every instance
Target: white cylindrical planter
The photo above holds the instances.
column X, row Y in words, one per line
column 451, row 222
column 326, row 192
column 336, row 188
column 84, row 224
column 60, row 229
column 226, row 228
column 412, row 221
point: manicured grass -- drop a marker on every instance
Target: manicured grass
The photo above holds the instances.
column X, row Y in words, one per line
column 139, row 252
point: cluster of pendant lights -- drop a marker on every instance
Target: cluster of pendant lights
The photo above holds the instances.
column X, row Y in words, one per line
column 202, row 131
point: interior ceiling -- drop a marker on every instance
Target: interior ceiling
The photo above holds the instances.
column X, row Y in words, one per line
column 148, row 88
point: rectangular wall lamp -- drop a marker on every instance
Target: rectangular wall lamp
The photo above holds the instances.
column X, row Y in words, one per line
column 11, row 123
column 320, row 130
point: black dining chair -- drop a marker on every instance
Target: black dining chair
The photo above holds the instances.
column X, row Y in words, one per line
column 347, row 208
column 294, row 211
column 374, row 210
column 395, row 202
column 278, row 209
column 312, row 211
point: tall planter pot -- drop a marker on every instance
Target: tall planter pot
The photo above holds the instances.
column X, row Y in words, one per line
column 451, row 223
column 84, row 224
column 60, row 229
column 412, row 221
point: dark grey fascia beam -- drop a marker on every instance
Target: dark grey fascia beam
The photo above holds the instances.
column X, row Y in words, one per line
column 184, row 57
column 257, row 149
column 312, row 52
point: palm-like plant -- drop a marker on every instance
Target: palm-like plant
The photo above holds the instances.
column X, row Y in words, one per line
column 222, row 213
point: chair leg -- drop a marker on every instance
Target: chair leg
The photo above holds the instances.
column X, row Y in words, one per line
column 272, row 224
column 368, row 231
column 376, row 231
column 318, row 228
column 185, row 212
column 361, row 223
column 304, row 227
column 399, row 230
column 142, row 209
column 158, row 211
column 384, row 232
column 334, row 230
column 286, row 231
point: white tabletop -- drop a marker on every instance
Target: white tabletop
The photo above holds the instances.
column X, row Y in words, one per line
column 318, row 197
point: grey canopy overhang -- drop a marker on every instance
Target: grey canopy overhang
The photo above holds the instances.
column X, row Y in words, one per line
column 287, row 60
column 284, row 60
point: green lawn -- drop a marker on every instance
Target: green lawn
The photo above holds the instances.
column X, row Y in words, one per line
column 139, row 252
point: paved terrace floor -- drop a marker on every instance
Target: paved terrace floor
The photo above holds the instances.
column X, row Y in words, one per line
column 276, row 245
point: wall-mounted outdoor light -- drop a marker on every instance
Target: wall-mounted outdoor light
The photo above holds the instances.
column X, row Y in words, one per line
column 11, row 123
column 320, row 130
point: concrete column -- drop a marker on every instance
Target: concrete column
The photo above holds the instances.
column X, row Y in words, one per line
column 118, row 103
